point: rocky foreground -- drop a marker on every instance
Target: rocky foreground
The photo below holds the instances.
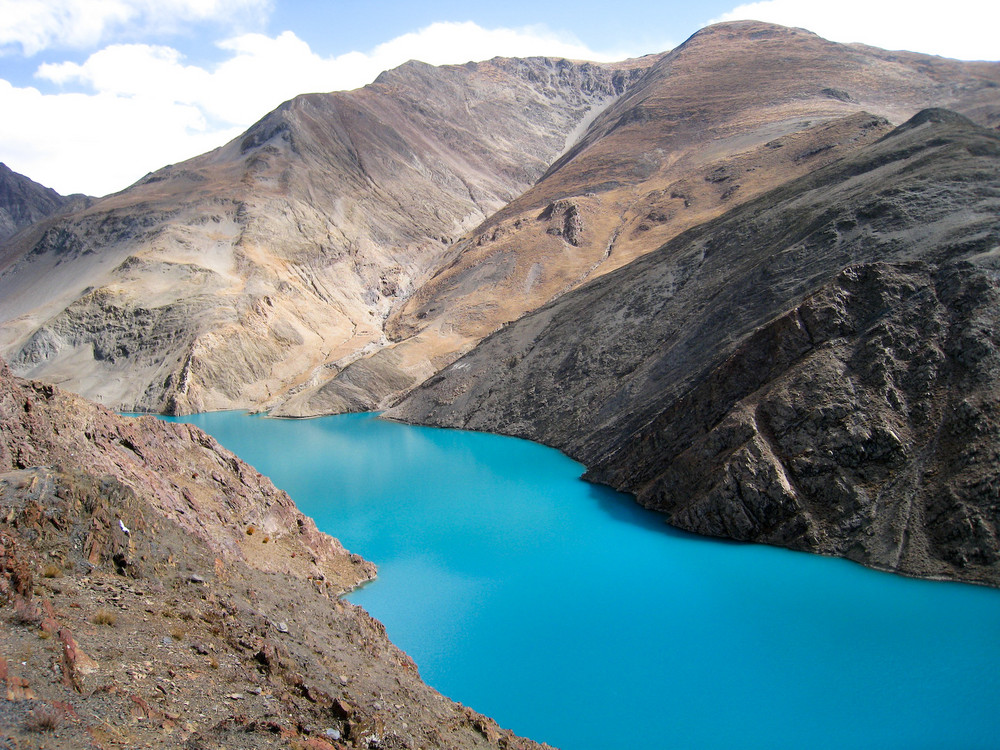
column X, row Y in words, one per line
column 817, row 369
column 156, row 591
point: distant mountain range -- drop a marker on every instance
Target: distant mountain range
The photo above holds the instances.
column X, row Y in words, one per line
column 243, row 275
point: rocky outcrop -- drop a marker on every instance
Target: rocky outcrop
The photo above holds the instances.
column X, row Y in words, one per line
column 261, row 270
column 180, row 472
column 156, row 590
column 816, row 369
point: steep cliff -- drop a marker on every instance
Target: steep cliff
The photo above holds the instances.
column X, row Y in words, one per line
column 157, row 591
column 817, row 368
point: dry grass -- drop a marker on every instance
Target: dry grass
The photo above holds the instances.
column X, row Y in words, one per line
column 51, row 571
column 105, row 617
column 42, row 720
column 177, row 633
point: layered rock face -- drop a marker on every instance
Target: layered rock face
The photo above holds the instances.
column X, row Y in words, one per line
column 158, row 591
column 243, row 275
column 816, row 369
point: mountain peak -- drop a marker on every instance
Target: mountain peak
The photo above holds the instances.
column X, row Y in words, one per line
column 934, row 115
column 403, row 71
column 749, row 29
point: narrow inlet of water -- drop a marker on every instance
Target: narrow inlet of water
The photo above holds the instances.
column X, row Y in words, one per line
column 574, row 617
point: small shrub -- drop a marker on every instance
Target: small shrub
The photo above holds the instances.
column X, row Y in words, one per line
column 177, row 633
column 213, row 663
column 105, row 617
column 251, row 530
column 44, row 635
column 51, row 571
column 42, row 720
column 266, row 539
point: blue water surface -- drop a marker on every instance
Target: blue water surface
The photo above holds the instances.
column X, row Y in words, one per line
column 576, row 618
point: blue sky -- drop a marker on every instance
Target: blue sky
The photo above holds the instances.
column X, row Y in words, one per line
column 95, row 93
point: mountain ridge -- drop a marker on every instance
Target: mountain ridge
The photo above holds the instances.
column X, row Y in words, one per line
column 695, row 137
column 348, row 246
column 264, row 263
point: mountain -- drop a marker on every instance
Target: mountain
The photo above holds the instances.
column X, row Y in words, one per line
column 157, row 591
column 350, row 245
column 235, row 277
column 24, row 202
column 817, row 368
column 737, row 110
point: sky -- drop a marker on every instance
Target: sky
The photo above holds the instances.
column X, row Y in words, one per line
column 94, row 94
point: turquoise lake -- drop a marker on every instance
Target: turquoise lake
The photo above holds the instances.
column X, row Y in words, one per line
column 574, row 617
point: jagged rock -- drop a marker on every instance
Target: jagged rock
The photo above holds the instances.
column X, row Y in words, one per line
column 75, row 663
column 17, row 688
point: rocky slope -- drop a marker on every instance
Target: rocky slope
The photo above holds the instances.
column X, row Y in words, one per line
column 737, row 110
column 818, row 368
column 238, row 277
column 156, row 591
column 24, row 202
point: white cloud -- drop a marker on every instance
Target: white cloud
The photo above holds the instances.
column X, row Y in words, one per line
column 97, row 143
column 35, row 25
column 962, row 29
column 137, row 107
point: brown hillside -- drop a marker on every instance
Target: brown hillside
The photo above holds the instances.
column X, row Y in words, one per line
column 737, row 110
